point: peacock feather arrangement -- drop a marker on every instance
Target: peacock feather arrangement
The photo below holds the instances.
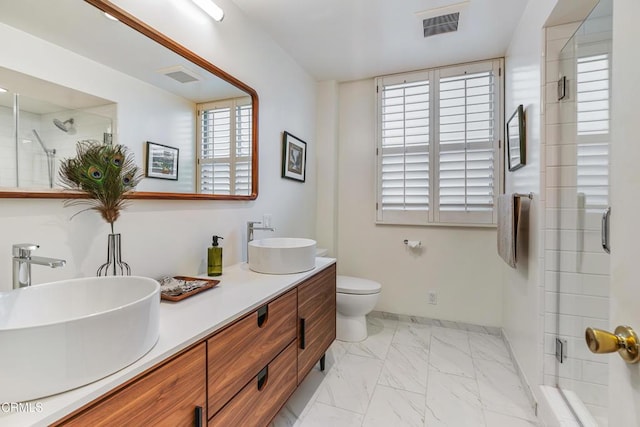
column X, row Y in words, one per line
column 105, row 173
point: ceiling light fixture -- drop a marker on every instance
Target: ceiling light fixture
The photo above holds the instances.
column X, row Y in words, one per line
column 111, row 17
column 3, row 90
column 212, row 9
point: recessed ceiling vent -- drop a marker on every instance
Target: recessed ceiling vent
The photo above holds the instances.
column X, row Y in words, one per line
column 441, row 20
column 180, row 74
column 441, row 24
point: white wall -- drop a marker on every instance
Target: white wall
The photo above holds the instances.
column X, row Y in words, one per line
column 523, row 291
column 327, row 163
column 170, row 237
column 461, row 264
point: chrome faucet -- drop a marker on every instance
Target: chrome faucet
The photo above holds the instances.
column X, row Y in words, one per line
column 22, row 261
column 251, row 228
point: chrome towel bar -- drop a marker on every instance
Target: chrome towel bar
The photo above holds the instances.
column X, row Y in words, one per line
column 527, row 195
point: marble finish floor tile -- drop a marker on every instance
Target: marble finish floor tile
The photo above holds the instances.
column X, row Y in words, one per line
column 375, row 346
column 392, row 407
column 406, row 368
column 303, row 397
column 321, row 415
column 453, row 401
column 451, row 356
column 285, row 418
column 501, row 389
column 336, row 350
column 444, row 332
column 488, row 347
column 350, row 383
column 381, row 322
column 452, row 338
column 407, row 373
column 413, row 335
column 495, row 419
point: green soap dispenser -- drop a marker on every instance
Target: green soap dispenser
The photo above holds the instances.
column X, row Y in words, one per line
column 214, row 258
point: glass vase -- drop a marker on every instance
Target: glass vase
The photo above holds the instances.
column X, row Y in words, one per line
column 114, row 265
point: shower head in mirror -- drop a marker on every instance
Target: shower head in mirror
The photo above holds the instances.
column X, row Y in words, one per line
column 66, row 126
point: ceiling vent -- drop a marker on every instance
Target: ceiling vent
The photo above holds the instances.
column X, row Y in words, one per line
column 180, row 74
column 441, row 20
column 441, row 24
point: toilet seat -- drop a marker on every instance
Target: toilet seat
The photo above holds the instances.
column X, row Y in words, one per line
column 356, row 286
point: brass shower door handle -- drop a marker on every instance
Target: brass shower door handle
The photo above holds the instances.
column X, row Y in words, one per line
column 624, row 340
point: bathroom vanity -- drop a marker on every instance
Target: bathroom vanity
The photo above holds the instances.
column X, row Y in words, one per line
column 229, row 356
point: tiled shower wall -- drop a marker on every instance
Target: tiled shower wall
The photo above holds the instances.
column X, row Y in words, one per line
column 576, row 269
column 91, row 123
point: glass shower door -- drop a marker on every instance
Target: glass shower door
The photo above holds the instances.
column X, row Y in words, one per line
column 581, row 265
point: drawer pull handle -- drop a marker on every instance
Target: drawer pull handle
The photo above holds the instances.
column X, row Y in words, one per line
column 262, row 378
column 198, row 422
column 302, row 340
column 262, row 315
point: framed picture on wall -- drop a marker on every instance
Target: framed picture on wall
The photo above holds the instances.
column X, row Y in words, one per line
column 162, row 161
column 294, row 157
column 516, row 142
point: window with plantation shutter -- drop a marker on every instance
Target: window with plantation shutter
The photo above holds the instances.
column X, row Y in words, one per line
column 438, row 139
column 404, row 148
column 467, row 145
column 592, row 105
column 224, row 138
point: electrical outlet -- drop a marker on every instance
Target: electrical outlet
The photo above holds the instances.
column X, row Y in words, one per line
column 266, row 220
column 433, row 297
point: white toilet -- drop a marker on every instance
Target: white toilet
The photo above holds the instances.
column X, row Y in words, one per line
column 355, row 298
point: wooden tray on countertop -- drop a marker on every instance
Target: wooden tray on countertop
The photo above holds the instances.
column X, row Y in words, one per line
column 174, row 298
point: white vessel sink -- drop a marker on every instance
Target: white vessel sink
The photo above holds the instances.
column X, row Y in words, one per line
column 61, row 335
column 282, row 255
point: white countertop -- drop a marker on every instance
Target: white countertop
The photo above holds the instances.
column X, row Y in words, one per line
column 181, row 324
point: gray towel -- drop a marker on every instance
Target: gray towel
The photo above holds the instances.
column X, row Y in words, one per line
column 508, row 216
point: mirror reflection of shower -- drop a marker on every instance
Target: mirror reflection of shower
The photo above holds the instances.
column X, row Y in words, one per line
column 51, row 157
column 65, row 126
column 36, row 133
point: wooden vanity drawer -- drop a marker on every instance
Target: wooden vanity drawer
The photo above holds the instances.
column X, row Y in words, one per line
column 238, row 353
column 170, row 395
column 261, row 399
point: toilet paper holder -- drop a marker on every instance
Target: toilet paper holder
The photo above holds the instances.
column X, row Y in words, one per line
column 412, row 243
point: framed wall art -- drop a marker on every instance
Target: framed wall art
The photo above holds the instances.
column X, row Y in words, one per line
column 162, row 161
column 294, row 157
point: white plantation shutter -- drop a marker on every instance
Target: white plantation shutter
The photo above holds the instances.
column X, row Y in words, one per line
column 438, row 134
column 404, row 149
column 243, row 148
column 215, row 145
column 224, row 138
column 468, row 135
column 592, row 105
column 593, row 95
